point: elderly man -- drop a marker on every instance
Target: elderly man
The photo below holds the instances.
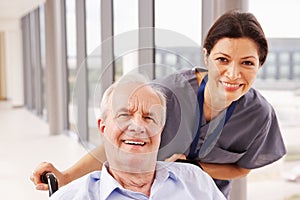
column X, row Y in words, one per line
column 132, row 116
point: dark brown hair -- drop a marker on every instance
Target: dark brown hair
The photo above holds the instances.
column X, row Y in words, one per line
column 236, row 24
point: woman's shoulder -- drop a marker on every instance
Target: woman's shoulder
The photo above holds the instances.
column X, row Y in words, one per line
column 254, row 101
column 253, row 96
column 182, row 74
column 184, row 79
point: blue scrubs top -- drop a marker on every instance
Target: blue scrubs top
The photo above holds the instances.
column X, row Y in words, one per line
column 250, row 139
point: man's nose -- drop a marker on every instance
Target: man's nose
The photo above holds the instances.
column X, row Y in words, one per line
column 137, row 124
column 233, row 71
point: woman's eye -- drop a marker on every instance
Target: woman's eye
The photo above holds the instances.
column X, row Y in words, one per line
column 248, row 63
column 222, row 60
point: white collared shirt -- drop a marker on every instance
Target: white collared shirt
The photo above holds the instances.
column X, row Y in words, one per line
column 172, row 181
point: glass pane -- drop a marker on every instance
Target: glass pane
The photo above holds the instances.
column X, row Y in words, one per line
column 288, row 10
column 271, row 58
column 284, row 58
column 126, row 37
column 271, row 71
column 125, row 15
column 71, row 60
column 183, row 17
column 296, row 57
column 270, row 67
column 297, row 72
column 93, row 40
column 32, row 58
column 296, row 67
column 284, row 71
column 93, row 35
column 177, row 35
column 43, row 60
column 284, row 66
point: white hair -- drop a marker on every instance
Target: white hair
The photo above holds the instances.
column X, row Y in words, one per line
column 131, row 78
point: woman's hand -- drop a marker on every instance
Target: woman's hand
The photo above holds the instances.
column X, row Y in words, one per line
column 175, row 157
column 47, row 167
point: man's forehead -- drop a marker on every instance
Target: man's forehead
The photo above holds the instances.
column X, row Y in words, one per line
column 135, row 95
column 133, row 90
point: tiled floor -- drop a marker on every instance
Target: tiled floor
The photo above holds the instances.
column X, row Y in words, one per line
column 25, row 141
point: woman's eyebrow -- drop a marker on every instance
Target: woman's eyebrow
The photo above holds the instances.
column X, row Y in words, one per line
column 247, row 57
column 224, row 54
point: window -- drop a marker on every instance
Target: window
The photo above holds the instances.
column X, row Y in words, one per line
column 177, row 35
column 125, row 36
column 71, row 59
column 284, row 37
column 93, row 42
column 296, row 58
column 280, row 14
column 43, row 59
column 284, row 69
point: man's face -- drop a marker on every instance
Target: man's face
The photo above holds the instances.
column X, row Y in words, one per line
column 133, row 126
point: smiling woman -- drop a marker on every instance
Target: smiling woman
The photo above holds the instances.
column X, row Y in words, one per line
column 233, row 65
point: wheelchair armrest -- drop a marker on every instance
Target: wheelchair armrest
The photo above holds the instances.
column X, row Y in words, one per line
column 50, row 179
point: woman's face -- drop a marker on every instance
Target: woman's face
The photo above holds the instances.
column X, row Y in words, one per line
column 232, row 65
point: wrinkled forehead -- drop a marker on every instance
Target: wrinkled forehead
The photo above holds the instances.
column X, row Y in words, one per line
column 134, row 96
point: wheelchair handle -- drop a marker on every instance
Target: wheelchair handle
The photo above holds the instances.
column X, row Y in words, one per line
column 50, row 179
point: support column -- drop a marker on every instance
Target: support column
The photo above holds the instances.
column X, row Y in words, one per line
column 146, row 37
column 81, row 92
column 212, row 9
column 107, row 43
column 54, row 65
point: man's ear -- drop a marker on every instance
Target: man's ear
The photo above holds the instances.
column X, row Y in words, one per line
column 101, row 126
column 205, row 56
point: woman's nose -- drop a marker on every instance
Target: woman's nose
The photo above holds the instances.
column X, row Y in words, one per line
column 233, row 71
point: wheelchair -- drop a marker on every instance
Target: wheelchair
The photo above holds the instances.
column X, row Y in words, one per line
column 50, row 179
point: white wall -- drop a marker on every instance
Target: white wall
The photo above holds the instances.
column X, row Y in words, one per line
column 13, row 63
column 2, row 69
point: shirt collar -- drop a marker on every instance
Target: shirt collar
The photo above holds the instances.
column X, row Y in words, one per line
column 163, row 171
column 108, row 183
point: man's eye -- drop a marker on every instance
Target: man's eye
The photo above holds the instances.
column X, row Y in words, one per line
column 122, row 115
column 149, row 118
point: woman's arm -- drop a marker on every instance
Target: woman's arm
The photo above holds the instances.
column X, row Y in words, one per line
column 224, row 171
column 90, row 162
column 217, row 171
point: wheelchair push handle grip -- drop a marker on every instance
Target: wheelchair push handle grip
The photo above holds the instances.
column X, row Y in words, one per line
column 50, row 179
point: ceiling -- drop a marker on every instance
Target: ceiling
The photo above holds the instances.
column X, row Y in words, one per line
column 14, row 9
